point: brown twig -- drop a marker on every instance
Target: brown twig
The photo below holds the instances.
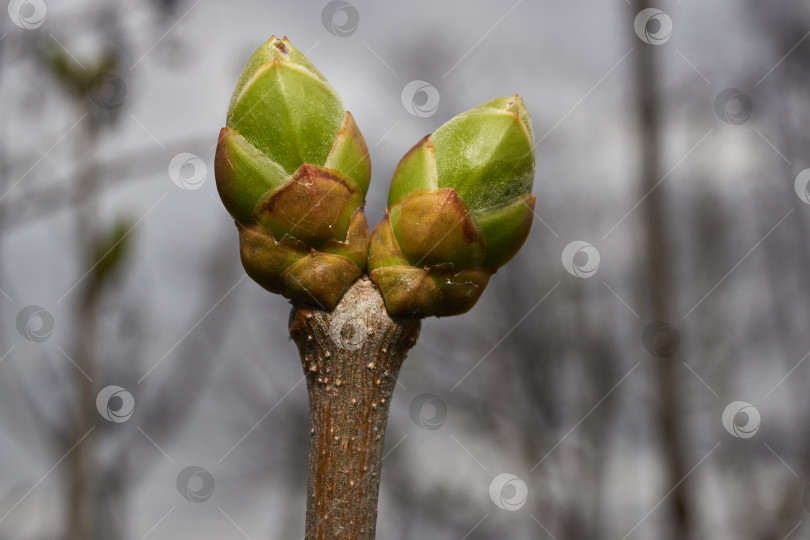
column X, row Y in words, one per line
column 351, row 357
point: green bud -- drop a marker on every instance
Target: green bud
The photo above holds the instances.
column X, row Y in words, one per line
column 459, row 207
column 292, row 168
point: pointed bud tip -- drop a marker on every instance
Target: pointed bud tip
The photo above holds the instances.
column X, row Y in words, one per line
column 513, row 104
column 273, row 52
column 283, row 45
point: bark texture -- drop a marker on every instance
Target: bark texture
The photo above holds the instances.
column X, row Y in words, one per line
column 351, row 357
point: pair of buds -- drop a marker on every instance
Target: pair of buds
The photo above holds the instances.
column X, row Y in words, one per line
column 293, row 170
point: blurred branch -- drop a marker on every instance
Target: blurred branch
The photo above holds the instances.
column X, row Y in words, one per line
column 33, row 203
column 659, row 282
column 192, row 363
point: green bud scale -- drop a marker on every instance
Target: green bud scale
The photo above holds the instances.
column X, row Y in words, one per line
column 292, row 169
column 459, row 207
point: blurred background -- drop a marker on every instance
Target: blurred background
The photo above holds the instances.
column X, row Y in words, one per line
column 639, row 370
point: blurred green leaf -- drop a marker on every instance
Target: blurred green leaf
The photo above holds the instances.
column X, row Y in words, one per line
column 111, row 249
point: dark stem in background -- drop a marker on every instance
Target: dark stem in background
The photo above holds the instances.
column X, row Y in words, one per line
column 659, row 282
column 351, row 359
column 81, row 472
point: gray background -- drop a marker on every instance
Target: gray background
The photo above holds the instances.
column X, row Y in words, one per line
column 547, row 379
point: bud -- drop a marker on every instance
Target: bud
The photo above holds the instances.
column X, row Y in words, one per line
column 459, row 207
column 293, row 169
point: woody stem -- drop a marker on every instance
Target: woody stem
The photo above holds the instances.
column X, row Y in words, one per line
column 351, row 357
